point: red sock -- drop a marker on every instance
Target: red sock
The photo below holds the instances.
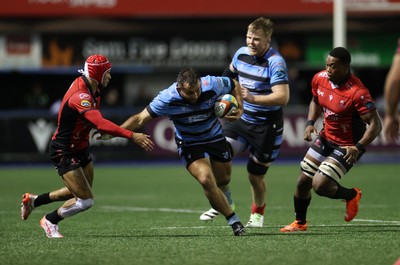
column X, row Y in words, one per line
column 259, row 210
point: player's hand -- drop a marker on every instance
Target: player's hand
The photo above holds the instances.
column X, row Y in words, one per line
column 310, row 129
column 143, row 140
column 101, row 136
column 391, row 129
column 351, row 155
column 234, row 115
column 246, row 95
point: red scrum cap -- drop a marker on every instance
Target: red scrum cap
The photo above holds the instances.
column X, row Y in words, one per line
column 95, row 67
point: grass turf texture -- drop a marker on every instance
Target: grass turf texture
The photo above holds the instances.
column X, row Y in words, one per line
column 150, row 215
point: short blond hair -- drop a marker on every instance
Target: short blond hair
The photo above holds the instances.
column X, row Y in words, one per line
column 264, row 24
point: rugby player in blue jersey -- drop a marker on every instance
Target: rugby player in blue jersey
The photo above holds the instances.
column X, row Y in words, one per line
column 263, row 75
column 189, row 103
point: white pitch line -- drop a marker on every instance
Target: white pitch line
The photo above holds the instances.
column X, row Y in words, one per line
column 375, row 221
column 170, row 210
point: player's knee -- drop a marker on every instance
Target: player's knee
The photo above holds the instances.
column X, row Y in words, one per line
column 84, row 204
column 79, row 206
column 318, row 188
column 332, row 171
column 308, row 167
column 255, row 168
column 324, row 187
column 223, row 181
column 206, row 181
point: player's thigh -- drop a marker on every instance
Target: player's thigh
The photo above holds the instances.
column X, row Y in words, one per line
column 266, row 140
column 88, row 170
column 236, row 136
column 333, row 165
column 200, row 169
column 76, row 181
column 61, row 194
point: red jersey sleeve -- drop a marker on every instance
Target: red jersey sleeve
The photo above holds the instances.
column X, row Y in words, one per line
column 106, row 126
column 81, row 102
column 85, row 105
column 363, row 101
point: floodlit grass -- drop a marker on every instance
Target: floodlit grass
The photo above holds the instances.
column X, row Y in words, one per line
column 150, row 215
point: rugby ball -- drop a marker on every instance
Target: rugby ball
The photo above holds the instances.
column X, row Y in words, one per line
column 224, row 105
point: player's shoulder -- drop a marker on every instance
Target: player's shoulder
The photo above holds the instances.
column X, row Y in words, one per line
column 79, row 95
column 357, row 87
column 356, row 84
column 168, row 94
column 275, row 58
column 320, row 76
column 272, row 53
column 77, row 85
column 242, row 51
column 356, row 81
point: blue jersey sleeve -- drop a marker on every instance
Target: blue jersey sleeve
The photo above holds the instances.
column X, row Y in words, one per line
column 279, row 72
column 220, row 84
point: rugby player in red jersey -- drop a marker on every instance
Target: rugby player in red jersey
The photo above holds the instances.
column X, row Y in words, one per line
column 350, row 122
column 79, row 113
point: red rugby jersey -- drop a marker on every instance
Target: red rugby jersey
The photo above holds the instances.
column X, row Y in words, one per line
column 342, row 107
column 79, row 113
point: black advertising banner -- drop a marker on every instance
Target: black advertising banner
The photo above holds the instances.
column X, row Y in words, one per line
column 139, row 54
column 25, row 139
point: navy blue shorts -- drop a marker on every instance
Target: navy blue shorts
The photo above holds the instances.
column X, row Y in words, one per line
column 264, row 141
column 218, row 151
column 326, row 148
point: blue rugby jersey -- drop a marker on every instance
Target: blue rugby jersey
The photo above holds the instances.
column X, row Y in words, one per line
column 194, row 123
column 259, row 74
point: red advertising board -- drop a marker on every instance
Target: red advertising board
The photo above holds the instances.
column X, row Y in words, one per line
column 170, row 8
column 180, row 8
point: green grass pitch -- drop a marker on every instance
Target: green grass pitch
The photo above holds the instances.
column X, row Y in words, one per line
column 149, row 214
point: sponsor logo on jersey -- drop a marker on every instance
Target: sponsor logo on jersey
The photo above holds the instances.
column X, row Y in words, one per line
column 84, row 96
column 86, row 103
column 281, row 73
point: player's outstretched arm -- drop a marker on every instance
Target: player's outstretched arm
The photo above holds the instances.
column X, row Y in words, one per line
column 137, row 121
column 105, row 126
